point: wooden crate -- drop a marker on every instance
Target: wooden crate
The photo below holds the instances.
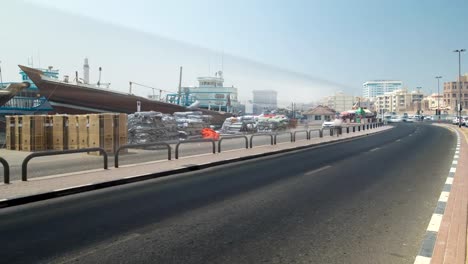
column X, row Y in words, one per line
column 26, row 134
column 120, row 131
column 38, row 132
column 73, row 130
column 59, row 132
column 107, row 132
column 18, row 131
column 48, row 130
column 83, row 131
column 10, row 132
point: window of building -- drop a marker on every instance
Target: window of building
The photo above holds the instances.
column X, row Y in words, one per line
column 454, row 95
column 318, row 117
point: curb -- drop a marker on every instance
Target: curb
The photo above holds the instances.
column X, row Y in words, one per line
column 85, row 188
column 429, row 242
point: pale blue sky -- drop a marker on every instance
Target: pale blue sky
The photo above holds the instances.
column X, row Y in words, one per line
column 344, row 42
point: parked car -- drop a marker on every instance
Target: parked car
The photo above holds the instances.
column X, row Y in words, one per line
column 328, row 124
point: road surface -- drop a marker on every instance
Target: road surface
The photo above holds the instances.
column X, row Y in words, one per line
column 364, row 201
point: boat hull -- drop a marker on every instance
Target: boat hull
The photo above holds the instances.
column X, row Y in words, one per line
column 68, row 98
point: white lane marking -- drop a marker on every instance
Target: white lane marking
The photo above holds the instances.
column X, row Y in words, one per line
column 449, row 180
column 398, row 140
column 453, row 169
column 434, row 224
column 374, row 149
column 77, row 186
column 139, row 175
column 317, row 170
column 422, row 260
column 456, row 157
column 454, row 162
column 2, row 200
column 457, row 152
column 444, row 196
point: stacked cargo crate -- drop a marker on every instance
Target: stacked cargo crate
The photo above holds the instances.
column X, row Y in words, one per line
column 61, row 132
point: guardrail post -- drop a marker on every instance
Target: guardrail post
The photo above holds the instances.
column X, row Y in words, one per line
column 307, row 135
column 359, row 128
column 116, row 155
column 6, row 171
column 24, row 165
column 256, row 135
column 331, row 132
column 194, row 141
column 221, row 139
column 321, row 133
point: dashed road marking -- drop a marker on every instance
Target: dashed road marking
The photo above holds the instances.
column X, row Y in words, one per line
column 452, row 169
column 455, row 162
column 374, row 149
column 317, row 170
column 456, row 157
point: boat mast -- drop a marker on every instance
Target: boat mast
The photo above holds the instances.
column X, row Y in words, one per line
column 180, row 86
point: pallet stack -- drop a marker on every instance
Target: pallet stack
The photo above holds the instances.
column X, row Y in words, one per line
column 61, row 132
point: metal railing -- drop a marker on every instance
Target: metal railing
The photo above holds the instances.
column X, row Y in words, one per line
column 232, row 137
column 6, row 171
column 194, row 141
column 258, row 135
column 291, row 137
column 24, row 166
column 300, row 131
column 313, row 130
column 155, row 144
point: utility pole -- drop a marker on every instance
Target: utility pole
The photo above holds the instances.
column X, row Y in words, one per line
column 459, row 106
column 180, row 86
column 1, row 78
column 438, row 97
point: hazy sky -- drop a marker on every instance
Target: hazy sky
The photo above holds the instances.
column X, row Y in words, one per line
column 289, row 46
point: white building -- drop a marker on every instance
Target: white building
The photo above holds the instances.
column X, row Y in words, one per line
column 371, row 89
column 339, row 102
column 399, row 101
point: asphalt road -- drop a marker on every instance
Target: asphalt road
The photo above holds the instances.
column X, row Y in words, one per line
column 368, row 200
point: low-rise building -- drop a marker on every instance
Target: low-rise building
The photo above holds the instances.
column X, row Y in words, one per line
column 452, row 94
column 399, row 101
column 320, row 114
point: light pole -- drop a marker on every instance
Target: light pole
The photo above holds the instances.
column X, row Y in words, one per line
column 419, row 102
column 438, row 96
column 459, row 109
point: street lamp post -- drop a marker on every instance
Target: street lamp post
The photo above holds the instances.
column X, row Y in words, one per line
column 419, row 101
column 438, row 96
column 459, row 109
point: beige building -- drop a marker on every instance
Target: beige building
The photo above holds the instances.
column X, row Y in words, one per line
column 451, row 95
column 399, row 101
column 433, row 102
column 339, row 102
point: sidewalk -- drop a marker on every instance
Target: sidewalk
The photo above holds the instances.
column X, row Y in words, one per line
column 448, row 225
column 19, row 192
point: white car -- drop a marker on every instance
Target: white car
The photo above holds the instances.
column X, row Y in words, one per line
column 328, row 124
column 395, row 119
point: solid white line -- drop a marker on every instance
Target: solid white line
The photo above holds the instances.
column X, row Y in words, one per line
column 77, row 186
column 317, row 170
column 449, row 180
column 434, row 224
column 444, row 196
column 453, row 170
column 422, row 260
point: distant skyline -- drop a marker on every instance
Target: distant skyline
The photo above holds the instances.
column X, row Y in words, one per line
column 303, row 49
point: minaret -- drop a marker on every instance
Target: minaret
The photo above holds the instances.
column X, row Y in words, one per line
column 86, row 71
